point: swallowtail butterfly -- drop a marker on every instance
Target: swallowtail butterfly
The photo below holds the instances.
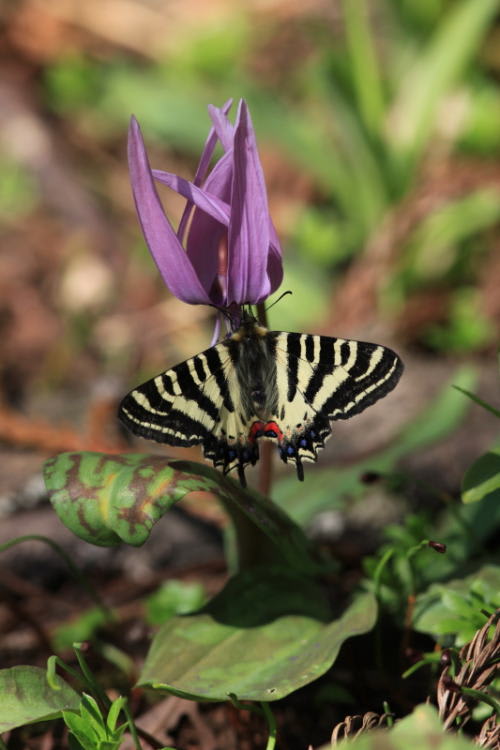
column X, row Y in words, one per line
column 257, row 384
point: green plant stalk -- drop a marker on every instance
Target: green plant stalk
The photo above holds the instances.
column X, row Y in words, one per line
column 76, row 572
column 390, row 715
column 364, row 64
column 428, row 659
column 271, row 723
column 478, row 401
column 94, row 686
column 131, row 726
column 3, row 746
column 380, row 569
column 483, row 697
column 54, row 661
column 263, row 710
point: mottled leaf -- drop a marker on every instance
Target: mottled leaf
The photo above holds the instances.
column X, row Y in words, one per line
column 27, row 697
column 268, row 632
column 108, row 499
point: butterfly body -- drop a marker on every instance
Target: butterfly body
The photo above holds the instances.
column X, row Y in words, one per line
column 260, row 384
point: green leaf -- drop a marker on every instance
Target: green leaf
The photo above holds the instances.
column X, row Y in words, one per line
column 81, row 629
column 114, row 712
column 106, row 499
column 482, row 479
column 266, row 634
column 91, row 714
column 81, row 729
column 455, row 607
column 173, row 598
column 28, row 698
column 479, row 401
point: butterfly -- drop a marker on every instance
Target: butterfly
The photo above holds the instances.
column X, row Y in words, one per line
column 260, row 384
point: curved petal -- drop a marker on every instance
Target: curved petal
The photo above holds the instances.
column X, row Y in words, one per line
column 173, row 263
column 249, row 233
column 201, row 171
column 222, row 126
column 206, row 233
column 274, row 260
column 213, row 206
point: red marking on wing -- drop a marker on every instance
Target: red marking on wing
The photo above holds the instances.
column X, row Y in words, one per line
column 269, row 429
column 256, row 431
column 273, row 427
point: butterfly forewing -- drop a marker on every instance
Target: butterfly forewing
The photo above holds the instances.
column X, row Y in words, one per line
column 323, row 379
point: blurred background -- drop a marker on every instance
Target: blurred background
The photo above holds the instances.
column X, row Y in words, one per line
column 379, row 131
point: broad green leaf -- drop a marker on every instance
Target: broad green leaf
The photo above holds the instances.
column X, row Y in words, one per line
column 28, row 698
column 108, row 499
column 266, row 634
column 482, row 479
column 458, row 607
column 331, row 488
column 421, row 730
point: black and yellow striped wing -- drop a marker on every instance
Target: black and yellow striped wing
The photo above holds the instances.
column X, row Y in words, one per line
column 322, row 379
column 303, row 383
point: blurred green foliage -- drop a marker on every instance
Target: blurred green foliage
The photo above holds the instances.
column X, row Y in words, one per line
column 173, row 598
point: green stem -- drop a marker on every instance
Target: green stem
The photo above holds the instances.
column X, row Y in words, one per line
column 93, row 685
column 54, row 661
column 131, row 726
column 271, row 723
column 266, row 447
column 76, row 572
column 478, row 401
column 428, row 659
column 480, row 696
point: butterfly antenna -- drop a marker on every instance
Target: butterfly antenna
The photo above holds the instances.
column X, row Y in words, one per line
column 289, row 291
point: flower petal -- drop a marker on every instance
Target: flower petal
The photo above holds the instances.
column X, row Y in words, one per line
column 173, row 263
column 223, row 127
column 213, row 206
column 201, row 171
column 249, row 233
column 205, row 233
column 275, row 260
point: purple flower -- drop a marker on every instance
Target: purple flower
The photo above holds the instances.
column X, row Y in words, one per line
column 232, row 254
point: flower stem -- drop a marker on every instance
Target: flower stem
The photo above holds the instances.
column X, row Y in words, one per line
column 266, row 447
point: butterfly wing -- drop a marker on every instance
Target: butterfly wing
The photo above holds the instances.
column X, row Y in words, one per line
column 195, row 402
column 320, row 379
